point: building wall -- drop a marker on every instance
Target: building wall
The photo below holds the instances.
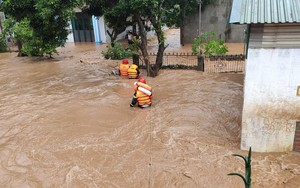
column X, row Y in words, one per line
column 70, row 36
column 214, row 18
column 122, row 35
column 282, row 35
column 271, row 106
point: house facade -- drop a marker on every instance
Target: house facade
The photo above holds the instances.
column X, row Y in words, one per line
column 271, row 110
column 86, row 28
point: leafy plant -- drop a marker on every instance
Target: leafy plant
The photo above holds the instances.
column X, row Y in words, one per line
column 209, row 46
column 116, row 51
column 247, row 177
column 199, row 44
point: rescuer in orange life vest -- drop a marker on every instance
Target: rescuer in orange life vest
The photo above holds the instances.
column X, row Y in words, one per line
column 124, row 68
column 142, row 94
column 133, row 71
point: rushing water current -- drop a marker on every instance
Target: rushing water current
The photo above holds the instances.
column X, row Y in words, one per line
column 65, row 122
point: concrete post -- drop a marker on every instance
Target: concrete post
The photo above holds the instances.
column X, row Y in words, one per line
column 200, row 66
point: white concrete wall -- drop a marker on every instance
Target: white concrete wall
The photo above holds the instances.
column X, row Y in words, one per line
column 271, row 106
column 70, row 36
column 129, row 28
column 102, row 28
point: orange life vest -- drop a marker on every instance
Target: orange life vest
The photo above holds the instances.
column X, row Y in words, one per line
column 123, row 69
column 140, row 84
column 132, row 71
column 143, row 97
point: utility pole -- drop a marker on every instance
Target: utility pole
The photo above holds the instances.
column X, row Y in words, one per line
column 200, row 22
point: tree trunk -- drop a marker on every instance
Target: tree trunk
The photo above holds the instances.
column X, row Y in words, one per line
column 159, row 61
column 113, row 36
column 20, row 46
column 182, row 35
column 143, row 44
column 152, row 70
column 161, row 47
column 1, row 29
column 182, row 22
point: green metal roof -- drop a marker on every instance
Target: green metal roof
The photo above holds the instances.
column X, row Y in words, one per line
column 265, row 11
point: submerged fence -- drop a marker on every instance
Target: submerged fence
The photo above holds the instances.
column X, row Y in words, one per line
column 227, row 63
column 174, row 60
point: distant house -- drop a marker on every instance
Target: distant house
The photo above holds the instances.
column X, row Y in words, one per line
column 86, row 28
column 271, row 110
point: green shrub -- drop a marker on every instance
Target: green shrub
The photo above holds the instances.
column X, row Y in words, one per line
column 208, row 45
column 33, row 43
column 116, row 51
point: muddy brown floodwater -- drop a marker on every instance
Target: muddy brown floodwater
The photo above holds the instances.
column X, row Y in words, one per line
column 66, row 122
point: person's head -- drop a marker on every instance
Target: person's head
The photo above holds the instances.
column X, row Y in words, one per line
column 125, row 61
column 142, row 80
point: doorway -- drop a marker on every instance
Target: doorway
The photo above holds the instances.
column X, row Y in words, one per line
column 82, row 27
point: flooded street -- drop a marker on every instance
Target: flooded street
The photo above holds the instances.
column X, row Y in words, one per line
column 66, row 122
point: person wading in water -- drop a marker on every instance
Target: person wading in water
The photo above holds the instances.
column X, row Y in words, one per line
column 142, row 95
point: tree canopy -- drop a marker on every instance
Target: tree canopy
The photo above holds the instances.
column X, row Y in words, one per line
column 48, row 20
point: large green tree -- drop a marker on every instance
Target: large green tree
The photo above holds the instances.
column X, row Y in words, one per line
column 139, row 11
column 159, row 12
column 48, row 20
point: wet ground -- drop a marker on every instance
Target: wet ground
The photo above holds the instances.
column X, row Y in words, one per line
column 66, row 122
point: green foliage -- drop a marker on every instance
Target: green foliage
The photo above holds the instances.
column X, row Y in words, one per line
column 116, row 51
column 209, row 46
column 198, row 44
column 7, row 31
column 23, row 31
column 45, row 21
column 247, row 178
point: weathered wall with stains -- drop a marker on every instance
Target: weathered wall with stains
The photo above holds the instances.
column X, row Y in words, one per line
column 271, row 106
column 214, row 18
